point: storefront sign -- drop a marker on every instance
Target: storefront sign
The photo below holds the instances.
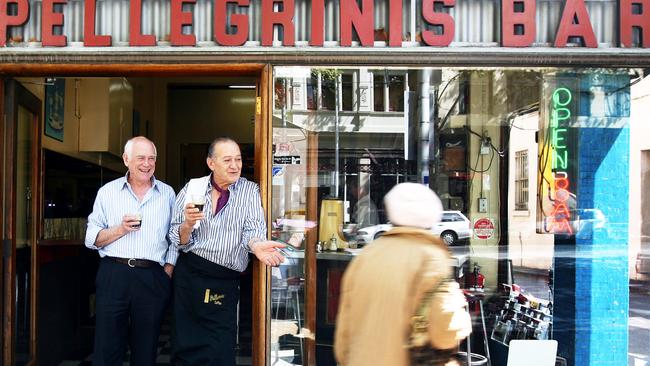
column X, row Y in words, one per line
column 483, row 228
column 560, row 115
column 518, row 22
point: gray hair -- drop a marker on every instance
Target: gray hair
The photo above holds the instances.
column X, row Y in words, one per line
column 217, row 141
column 128, row 147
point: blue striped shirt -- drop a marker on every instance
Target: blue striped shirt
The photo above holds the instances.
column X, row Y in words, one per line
column 223, row 238
column 116, row 199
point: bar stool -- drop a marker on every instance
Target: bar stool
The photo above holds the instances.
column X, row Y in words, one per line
column 476, row 298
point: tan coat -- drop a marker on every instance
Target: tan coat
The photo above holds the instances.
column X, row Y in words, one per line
column 380, row 292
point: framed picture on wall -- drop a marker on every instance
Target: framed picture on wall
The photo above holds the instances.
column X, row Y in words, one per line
column 54, row 108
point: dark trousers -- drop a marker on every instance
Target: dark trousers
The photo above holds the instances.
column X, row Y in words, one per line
column 204, row 326
column 130, row 306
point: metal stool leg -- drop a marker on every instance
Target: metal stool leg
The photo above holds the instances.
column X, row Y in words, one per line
column 299, row 319
column 485, row 338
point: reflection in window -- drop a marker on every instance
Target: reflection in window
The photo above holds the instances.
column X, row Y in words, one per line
column 312, row 92
column 328, row 90
column 521, row 180
column 331, row 172
column 378, row 89
column 347, row 92
column 396, row 93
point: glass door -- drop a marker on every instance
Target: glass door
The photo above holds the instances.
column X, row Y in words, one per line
column 22, row 223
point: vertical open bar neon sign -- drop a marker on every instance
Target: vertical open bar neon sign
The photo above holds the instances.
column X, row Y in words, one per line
column 560, row 115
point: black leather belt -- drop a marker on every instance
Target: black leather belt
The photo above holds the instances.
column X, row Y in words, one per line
column 132, row 262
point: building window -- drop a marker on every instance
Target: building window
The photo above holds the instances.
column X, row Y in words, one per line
column 396, row 93
column 521, row 180
column 347, row 92
column 312, row 92
column 322, row 87
column 388, row 90
column 378, row 85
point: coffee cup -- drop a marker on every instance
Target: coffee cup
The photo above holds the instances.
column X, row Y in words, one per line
column 137, row 217
column 198, row 200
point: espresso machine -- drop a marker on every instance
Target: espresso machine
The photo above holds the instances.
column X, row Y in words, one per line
column 330, row 226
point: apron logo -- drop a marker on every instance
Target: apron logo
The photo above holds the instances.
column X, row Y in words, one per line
column 212, row 298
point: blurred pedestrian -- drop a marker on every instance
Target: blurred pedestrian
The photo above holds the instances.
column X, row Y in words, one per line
column 383, row 287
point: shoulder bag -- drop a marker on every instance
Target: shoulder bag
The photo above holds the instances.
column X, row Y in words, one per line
column 421, row 352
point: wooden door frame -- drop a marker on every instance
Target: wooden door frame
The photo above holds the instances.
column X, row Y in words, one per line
column 17, row 95
column 2, row 214
column 263, row 135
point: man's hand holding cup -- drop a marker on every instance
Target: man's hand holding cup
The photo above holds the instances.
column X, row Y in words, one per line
column 194, row 210
column 131, row 222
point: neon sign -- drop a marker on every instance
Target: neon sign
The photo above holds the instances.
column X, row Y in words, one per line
column 560, row 112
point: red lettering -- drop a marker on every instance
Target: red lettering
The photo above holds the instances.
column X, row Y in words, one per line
column 239, row 21
column 362, row 21
column 136, row 38
column 395, row 23
column 284, row 18
column 440, row 19
column 575, row 9
column 561, row 183
column 629, row 21
column 317, row 22
column 561, row 226
column 525, row 19
column 90, row 38
column 561, row 211
column 7, row 20
column 179, row 18
column 562, row 195
column 49, row 19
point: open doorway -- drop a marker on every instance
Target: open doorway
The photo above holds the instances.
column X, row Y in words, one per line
column 82, row 151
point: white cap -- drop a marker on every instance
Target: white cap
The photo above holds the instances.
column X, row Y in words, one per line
column 413, row 204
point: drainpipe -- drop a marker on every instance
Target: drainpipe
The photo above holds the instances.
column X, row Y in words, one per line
column 424, row 82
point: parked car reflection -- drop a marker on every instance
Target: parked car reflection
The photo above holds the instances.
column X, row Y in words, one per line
column 453, row 227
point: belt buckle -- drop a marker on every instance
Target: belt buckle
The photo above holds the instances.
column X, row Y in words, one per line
column 131, row 262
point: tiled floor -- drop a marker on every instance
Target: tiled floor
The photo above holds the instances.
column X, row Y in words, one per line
column 164, row 353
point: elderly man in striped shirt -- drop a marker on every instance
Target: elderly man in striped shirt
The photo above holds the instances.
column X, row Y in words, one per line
column 214, row 244
column 128, row 227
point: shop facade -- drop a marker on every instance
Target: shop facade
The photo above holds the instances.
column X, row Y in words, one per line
column 519, row 114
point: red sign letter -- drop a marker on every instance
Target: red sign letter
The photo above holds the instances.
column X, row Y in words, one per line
column 179, row 19
column 136, row 38
column 395, row 23
column 90, row 38
column 575, row 9
column 317, row 14
column 629, row 21
column 49, row 20
column 510, row 19
column 7, row 20
column 271, row 18
column 561, row 226
column 441, row 19
column 362, row 21
column 239, row 21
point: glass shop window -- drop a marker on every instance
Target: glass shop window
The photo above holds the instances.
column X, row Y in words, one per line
column 515, row 155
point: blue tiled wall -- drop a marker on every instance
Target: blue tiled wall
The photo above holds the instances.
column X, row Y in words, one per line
column 602, row 297
column 591, row 269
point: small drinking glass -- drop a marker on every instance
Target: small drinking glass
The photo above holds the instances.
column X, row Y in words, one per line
column 198, row 200
column 137, row 217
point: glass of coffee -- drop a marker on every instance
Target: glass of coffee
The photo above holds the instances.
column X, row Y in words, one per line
column 138, row 218
column 198, row 200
